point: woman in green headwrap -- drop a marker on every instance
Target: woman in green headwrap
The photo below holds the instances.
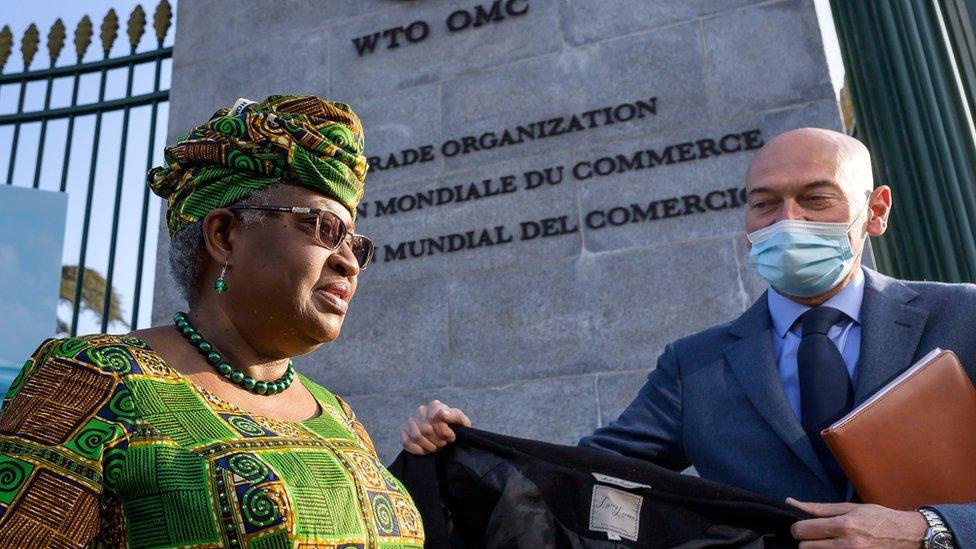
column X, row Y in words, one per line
column 201, row 433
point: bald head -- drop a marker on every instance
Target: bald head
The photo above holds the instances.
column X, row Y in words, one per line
column 840, row 158
column 816, row 175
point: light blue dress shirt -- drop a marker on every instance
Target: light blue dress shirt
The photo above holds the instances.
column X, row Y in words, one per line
column 846, row 334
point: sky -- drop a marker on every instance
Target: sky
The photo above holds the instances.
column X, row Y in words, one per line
column 831, row 45
column 18, row 15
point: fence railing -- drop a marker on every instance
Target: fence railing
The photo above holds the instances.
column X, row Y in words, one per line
column 84, row 287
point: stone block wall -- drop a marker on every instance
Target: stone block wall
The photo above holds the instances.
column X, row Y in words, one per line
column 555, row 188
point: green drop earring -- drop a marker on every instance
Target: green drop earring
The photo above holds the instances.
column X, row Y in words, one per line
column 221, row 285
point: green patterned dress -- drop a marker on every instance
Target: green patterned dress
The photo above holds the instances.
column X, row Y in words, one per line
column 101, row 442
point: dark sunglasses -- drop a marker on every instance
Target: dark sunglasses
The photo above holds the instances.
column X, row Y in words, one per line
column 330, row 231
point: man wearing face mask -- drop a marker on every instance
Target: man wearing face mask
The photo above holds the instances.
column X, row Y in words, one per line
column 744, row 401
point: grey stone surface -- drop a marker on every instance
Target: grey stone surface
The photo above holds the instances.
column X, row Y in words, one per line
column 552, row 337
column 601, row 312
column 403, row 348
column 212, row 28
column 253, row 72
column 706, row 173
column 764, row 57
column 508, row 210
column 443, row 54
column 195, row 37
column 584, row 79
column 408, row 119
column 259, row 18
column 585, row 22
column 617, row 391
column 558, row 410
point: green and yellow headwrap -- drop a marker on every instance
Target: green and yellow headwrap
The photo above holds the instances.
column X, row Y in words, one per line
column 299, row 138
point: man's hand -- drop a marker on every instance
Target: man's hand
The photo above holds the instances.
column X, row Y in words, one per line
column 429, row 430
column 857, row 525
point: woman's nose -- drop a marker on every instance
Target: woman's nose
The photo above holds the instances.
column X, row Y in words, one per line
column 343, row 261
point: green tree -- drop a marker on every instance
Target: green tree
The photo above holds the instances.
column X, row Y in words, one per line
column 92, row 295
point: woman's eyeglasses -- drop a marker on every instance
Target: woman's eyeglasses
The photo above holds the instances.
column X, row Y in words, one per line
column 330, row 230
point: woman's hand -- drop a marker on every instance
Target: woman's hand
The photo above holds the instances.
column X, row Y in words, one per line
column 429, row 430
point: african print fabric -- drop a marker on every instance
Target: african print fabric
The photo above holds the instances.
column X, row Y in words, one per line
column 299, row 138
column 102, row 442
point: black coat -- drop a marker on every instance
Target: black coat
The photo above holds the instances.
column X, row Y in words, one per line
column 488, row 490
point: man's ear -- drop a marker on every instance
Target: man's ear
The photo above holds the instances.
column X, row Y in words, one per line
column 220, row 229
column 879, row 208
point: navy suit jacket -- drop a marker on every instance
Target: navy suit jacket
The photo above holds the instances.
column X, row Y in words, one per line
column 716, row 401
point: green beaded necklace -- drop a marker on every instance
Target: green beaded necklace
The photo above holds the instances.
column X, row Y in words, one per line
column 223, row 368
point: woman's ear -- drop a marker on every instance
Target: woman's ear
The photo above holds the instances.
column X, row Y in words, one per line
column 220, row 229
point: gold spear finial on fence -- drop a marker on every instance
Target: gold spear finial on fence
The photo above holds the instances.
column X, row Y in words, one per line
column 83, row 37
column 28, row 44
column 6, row 45
column 110, row 30
column 161, row 20
column 137, row 26
column 55, row 40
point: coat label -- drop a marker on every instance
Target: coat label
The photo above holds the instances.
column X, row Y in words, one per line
column 607, row 479
column 615, row 511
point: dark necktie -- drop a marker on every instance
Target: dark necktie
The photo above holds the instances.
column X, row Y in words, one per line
column 826, row 392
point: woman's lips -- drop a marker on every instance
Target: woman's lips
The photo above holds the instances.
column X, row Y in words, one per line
column 337, row 304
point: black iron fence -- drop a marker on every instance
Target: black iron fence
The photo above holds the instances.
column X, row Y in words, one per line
column 96, row 262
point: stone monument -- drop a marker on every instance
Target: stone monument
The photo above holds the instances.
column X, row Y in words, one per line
column 556, row 187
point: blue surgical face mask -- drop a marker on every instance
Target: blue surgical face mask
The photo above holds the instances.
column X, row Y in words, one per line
column 803, row 258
